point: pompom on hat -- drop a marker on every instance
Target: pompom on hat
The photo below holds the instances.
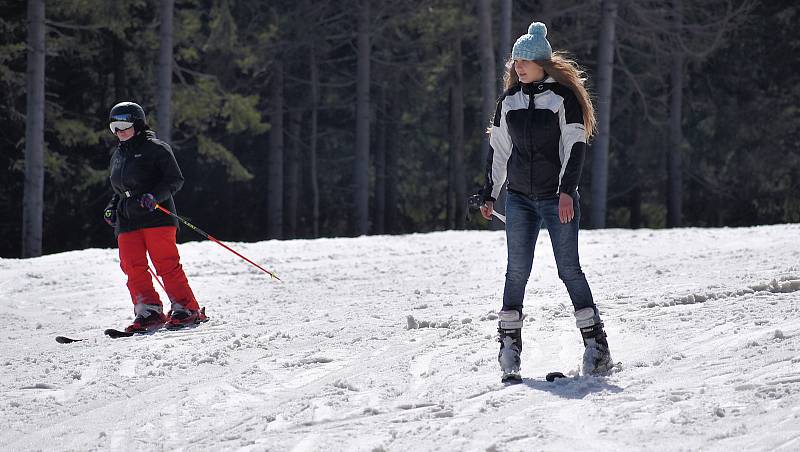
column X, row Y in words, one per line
column 534, row 45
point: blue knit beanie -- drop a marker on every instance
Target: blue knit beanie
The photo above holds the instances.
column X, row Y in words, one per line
column 534, row 45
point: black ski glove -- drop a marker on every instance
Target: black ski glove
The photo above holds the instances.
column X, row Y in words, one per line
column 110, row 216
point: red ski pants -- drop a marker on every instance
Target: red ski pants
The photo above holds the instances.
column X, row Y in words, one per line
column 160, row 243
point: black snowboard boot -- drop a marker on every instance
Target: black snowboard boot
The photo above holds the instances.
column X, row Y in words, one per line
column 510, row 337
column 596, row 357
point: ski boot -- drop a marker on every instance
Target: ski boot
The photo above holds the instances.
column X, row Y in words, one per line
column 149, row 317
column 181, row 317
column 510, row 337
column 596, row 356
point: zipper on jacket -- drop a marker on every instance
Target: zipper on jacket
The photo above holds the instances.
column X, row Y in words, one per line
column 122, row 168
column 126, row 151
column 529, row 134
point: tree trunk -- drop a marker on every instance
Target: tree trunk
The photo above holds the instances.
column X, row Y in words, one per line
column 392, row 137
column 635, row 204
column 292, row 188
column 361, row 160
column 674, row 163
column 488, row 69
column 600, row 149
column 120, row 79
column 33, row 197
column 633, row 171
column 275, row 172
column 312, row 157
column 488, row 78
column 457, row 177
column 450, row 196
column 505, row 39
column 379, row 219
column 165, row 71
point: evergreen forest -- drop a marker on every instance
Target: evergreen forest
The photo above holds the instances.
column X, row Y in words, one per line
column 305, row 119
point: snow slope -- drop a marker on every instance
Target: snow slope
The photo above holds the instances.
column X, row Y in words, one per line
column 386, row 343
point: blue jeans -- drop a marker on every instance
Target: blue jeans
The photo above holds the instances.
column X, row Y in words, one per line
column 524, row 218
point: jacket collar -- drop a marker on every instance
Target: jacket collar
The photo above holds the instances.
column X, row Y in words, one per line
column 537, row 87
column 136, row 140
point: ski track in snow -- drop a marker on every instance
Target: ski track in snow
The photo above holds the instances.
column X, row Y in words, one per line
column 387, row 343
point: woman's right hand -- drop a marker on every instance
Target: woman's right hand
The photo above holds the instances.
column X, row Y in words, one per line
column 486, row 209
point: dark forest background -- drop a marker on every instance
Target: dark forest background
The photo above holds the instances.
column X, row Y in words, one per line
column 314, row 119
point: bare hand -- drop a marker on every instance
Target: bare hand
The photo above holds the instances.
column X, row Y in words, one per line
column 486, row 209
column 565, row 210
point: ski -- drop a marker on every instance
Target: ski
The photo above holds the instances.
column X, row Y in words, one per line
column 203, row 319
column 112, row 333
column 116, row 334
column 515, row 378
column 553, row 376
column 182, row 326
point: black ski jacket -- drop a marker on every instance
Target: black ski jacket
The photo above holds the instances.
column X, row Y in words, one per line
column 539, row 145
column 144, row 164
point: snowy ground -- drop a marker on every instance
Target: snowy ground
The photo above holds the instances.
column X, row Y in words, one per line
column 386, row 343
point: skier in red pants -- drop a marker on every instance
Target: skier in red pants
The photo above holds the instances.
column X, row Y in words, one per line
column 144, row 173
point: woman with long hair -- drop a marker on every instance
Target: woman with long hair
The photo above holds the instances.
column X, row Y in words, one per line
column 538, row 143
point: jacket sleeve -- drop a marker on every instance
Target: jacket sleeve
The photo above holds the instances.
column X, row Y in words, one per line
column 171, row 176
column 572, row 146
column 112, row 204
column 499, row 152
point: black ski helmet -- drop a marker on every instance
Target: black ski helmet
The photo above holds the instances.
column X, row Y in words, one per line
column 129, row 112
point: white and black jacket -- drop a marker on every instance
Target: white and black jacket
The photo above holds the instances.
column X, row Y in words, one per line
column 538, row 146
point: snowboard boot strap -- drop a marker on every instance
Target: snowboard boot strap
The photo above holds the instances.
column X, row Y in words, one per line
column 510, row 320
column 510, row 325
column 596, row 357
column 588, row 321
column 509, row 329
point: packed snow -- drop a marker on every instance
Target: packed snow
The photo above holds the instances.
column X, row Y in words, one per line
column 387, row 343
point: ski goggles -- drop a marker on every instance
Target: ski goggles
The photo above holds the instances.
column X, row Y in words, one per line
column 117, row 126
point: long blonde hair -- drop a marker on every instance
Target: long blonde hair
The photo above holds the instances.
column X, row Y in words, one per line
column 566, row 72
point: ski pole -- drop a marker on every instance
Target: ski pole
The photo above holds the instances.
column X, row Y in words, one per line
column 152, row 273
column 499, row 216
column 475, row 203
column 209, row 237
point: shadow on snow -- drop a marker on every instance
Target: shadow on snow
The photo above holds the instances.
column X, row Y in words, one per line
column 572, row 387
